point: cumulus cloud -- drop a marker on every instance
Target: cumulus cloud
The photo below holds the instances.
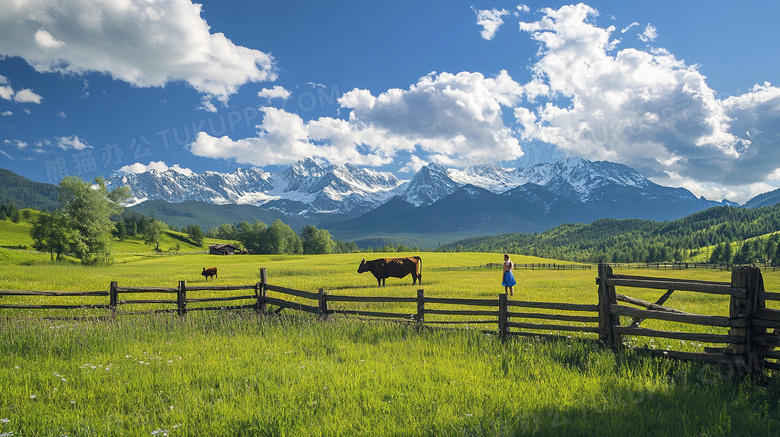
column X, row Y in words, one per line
column 588, row 97
column 645, row 109
column 21, row 96
column 146, row 43
column 46, row 41
column 6, row 92
column 7, row 113
column 27, row 96
column 456, row 116
column 159, row 166
column 490, row 20
column 72, row 143
column 277, row 92
column 413, row 165
column 650, row 34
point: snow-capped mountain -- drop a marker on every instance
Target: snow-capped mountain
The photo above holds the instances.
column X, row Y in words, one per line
column 568, row 189
column 581, row 179
column 305, row 188
column 431, row 183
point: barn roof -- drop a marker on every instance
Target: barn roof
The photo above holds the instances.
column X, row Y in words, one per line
column 222, row 246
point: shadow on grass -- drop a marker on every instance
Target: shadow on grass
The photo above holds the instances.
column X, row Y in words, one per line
column 644, row 395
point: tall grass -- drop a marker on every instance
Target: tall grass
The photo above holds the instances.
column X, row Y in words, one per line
column 235, row 373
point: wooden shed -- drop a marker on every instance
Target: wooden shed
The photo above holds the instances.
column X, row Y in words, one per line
column 222, row 249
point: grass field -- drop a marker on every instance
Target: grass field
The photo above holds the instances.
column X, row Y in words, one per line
column 234, row 373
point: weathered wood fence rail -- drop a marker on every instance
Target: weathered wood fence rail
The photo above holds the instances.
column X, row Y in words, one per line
column 747, row 344
column 745, row 338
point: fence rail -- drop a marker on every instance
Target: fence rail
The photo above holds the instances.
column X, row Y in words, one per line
column 537, row 266
column 746, row 337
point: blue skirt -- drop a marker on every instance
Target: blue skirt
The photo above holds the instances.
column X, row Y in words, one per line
column 509, row 279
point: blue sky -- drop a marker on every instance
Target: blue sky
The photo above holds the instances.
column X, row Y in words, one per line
column 681, row 91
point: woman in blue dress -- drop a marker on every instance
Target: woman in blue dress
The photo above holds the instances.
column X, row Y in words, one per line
column 508, row 281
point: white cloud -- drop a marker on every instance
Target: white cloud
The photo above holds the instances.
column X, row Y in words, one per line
column 21, row 96
column 146, row 43
column 27, row 96
column 650, row 34
column 490, row 20
column 158, row 166
column 457, row 116
column 72, row 143
column 62, row 114
column 626, row 29
column 208, row 105
column 18, row 143
column 46, row 41
column 7, row 113
column 523, row 8
column 645, row 109
column 6, row 92
column 277, row 92
column 414, row 165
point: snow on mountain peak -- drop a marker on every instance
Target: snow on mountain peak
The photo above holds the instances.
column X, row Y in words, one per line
column 351, row 190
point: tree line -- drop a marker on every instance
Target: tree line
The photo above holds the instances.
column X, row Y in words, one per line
column 9, row 211
column 634, row 240
column 279, row 238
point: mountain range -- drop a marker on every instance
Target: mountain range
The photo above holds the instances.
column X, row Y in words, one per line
column 357, row 203
column 444, row 204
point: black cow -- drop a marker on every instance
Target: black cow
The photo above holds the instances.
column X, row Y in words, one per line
column 209, row 272
column 384, row 268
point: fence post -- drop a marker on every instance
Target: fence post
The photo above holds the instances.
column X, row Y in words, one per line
column 322, row 310
column 262, row 307
column 113, row 298
column 181, row 298
column 606, row 299
column 420, row 318
column 503, row 304
column 751, row 280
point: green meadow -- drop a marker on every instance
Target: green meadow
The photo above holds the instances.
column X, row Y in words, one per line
column 229, row 373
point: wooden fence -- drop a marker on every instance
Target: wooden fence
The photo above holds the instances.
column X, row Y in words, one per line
column 690, row 265
column 747, row 345
column 747, row 341
column 537, row 266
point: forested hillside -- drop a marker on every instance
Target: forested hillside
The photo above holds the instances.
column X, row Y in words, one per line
column 25, row 193
column 635, row 240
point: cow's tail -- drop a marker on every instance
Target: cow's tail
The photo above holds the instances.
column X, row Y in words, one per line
column 419, row 268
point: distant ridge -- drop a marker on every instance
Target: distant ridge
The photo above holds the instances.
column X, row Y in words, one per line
column 26, row 193
column 770, row 198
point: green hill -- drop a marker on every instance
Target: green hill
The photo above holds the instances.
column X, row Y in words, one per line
column 634, row 240
column 16, row 242
column 26, row 193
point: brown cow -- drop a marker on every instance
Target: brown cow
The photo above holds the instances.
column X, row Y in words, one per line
column 384, row 268
column 209, row 272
